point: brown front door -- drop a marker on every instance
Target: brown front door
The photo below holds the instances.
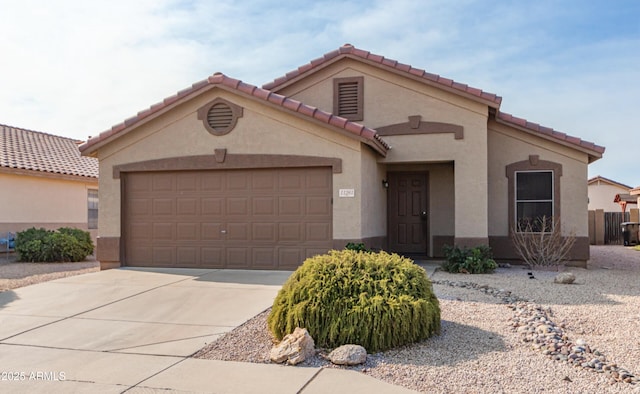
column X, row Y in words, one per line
column 407, row 212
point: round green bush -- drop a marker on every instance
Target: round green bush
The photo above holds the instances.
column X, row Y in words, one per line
column 376, row 300
column 65, row 244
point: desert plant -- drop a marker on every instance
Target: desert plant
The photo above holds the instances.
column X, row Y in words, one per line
column 478, row 260
column 41, row 245
column 376, row 300
column 547, row 248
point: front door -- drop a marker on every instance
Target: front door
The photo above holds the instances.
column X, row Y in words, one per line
column 407, row 212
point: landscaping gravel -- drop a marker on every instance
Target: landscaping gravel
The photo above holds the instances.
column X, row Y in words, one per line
column 505, row 332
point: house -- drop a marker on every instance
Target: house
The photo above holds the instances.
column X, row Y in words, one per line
column 45, row 182
column 603, row 191
column 351, row 147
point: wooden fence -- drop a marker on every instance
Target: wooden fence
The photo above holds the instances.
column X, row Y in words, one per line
column 605, row 227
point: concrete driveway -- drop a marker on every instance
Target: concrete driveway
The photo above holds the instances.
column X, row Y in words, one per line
column 112, row 330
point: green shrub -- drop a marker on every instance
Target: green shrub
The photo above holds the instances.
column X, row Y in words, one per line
column 376, row 300
column 478, row 260
column 65, row 244
column 358, row 247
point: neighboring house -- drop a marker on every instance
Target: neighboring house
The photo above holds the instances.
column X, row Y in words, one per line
column 352, row 147
column 44, row 182
column 602, row 193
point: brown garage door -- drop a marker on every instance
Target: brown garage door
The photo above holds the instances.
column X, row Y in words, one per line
column 256, row 219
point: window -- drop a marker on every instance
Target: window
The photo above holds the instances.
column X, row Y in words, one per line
column 92, row 204
column 534, row 200
column 348, row 97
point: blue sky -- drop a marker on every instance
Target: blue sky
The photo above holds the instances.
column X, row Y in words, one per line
column 75, row 68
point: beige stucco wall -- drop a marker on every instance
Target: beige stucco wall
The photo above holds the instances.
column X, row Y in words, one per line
column 507, row 146
column 262, row 129
column 48, row 202
column 374, row 200
column 601, row 195
column 391, row 99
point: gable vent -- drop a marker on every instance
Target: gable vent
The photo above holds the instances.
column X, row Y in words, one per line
column 220, row 116
column 348, row 97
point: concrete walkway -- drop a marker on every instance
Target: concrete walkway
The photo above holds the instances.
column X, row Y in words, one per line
column 133, row 330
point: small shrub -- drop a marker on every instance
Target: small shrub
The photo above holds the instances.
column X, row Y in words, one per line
column 547, row 248
column 376, row 300
column 478, row 260
column 40, row 245
column 358, row 247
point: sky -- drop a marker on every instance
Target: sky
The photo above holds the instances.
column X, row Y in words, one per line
column 76, row 68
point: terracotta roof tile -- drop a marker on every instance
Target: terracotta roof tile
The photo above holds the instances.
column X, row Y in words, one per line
column 536, row 128
column 350, row 50
column 32, row 150
column 220, row 79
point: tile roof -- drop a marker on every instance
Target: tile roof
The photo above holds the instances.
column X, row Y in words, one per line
column 607, row 180
column 348, row 50
column 549, row 132
column 218, row 79
column 35, row 151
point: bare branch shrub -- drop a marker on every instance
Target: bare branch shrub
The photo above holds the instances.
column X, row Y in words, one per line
column 540, row 243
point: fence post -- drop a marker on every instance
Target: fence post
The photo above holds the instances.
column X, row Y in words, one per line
column 592, row 227
column 599, row 225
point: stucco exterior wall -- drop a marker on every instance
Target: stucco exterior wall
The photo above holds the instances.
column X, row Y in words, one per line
column 374, row 201
column 36, row 201
column 261, row 130
column 601, row 196
column 507, row 146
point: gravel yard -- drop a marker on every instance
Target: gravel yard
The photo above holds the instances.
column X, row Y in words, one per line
column 14, row 275
column 480, row 350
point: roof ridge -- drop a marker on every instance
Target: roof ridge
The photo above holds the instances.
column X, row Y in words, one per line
column 38, row 132
column 600, row 177
column 348, row 49
column 221, row 79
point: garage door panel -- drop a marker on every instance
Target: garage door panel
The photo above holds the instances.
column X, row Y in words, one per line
column 238, row 257
column 253, row 218
column 318, row 206
column 163, row 182
column 163, row 231
column 263, row 206
column 238, row 206
column 237, row 232
column 164, row 256
column 188, row 206
column 212, row 257
column 264, row 232
column 291, row 206
column 211, row 231
column 188, row 256
column 188, row 232
column 317, row 231
column 212, row 206
column 290, row 232
column 163, row 206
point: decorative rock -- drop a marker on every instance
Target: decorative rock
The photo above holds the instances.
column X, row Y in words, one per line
column 348, row 355
column 564, row 278
column 294, row 348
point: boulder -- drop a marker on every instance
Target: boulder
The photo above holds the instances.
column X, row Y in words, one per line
column 348, row 355
column 294, row 348
column 565, row 278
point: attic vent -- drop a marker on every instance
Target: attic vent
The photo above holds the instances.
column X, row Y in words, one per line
column 348, row 97
column 220, row 116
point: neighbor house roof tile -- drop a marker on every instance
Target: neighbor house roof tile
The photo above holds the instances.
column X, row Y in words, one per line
column 350, row 50
column 262, row 94
column 35, row 151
